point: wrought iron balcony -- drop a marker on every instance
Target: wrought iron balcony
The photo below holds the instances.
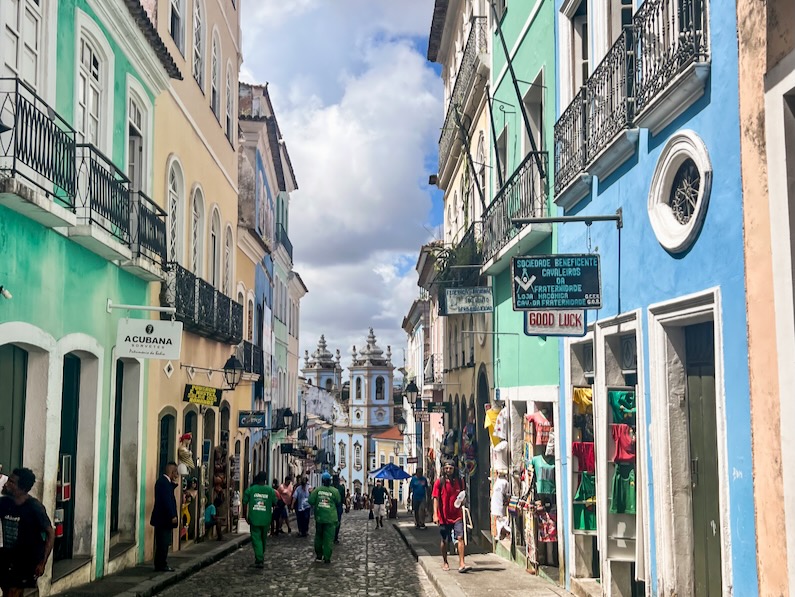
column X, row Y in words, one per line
column 203, row 309
column 284, row 240
column 669, row 36
column 524, row 195
column 252, row 358
column 39, row 146
column 477, row 43
column 608, row 97
column 103, row 193
column 148, row 229
column 570, row 146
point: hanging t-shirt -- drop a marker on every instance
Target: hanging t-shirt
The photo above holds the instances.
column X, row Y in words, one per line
column 547, row 527
column 584, row 398
column 624, row 438
column 585, row 504
column 260, row 500
column 542, row 427
column 499, row 493
column 623, row 405
column 545, row 475
column 585, row 424
column 489, row 422
column 501, row 424
column 584, row 452
column 623, row 497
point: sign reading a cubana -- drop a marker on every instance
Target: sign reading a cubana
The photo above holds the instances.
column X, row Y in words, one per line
column 202, row 395
column 556, row 282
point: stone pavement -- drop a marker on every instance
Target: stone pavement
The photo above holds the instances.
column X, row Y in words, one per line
column 367, row 562
column 490, row 574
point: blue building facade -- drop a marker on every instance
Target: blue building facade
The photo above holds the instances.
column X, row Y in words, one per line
column 655, row 439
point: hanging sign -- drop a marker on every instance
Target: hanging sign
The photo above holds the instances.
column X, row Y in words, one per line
column 438, row 407
column 148, row 339
column 252, row 418
column 554, row 323
column 556, row 282
column 460, row 301
column 203, row 395
column 422, row 416
column 411, row 460
column 234, row 464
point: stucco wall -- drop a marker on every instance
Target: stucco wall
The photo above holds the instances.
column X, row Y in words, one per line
column 781, row 28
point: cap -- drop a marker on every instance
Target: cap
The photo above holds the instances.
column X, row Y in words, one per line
column 325, row 476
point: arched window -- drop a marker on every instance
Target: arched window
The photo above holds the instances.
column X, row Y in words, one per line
column 215, row 79
column 250, row 320
column 90, row 94
column 215, row 250
column 167, row 442
column 471, row 340
column 198, row 43
column 177, row 23
column 227, row 262
column 358, row 388
column 357, row 456
column 230, row 104
column 197, row 232
column 379, row 388
column 176, row 192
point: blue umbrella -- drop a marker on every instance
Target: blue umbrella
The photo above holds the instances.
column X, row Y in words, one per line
column 390, row 472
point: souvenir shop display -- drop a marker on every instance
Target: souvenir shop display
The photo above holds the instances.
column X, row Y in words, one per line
column 583, row 450
column 622, row 414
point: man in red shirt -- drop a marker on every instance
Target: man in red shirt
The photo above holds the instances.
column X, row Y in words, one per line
column 449, row 516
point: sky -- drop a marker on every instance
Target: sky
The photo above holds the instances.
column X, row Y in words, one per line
column 360, row 109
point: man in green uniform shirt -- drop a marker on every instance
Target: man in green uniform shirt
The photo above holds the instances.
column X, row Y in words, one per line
column 324, row 500
column 258, row 502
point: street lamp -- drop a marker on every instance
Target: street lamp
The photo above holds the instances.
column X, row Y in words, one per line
column 288, row 417
column 412, row 391
column 233, row 372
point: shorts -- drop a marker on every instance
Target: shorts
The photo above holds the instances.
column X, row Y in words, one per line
column 16, row 573
column 453, row 531
column 379, row 510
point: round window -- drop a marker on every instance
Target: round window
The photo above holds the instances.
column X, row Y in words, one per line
column 680, row 190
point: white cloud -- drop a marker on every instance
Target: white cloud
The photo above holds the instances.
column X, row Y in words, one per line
column 360, row 110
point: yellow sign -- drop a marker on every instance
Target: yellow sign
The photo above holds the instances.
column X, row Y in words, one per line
column 203, row 395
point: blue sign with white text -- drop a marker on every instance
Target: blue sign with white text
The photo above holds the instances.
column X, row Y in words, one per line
column 556, row 282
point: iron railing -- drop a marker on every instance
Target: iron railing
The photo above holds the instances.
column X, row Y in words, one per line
column 477, row 43
column 103, row 193
column 203, row 309
column 252, row 358
column 570, row 145
column 608, row 94
column 148, row 229
column 524, row 195
column 284, row 240
column 669, row 36
column 40, row 145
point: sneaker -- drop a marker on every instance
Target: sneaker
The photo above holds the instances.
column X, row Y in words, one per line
column 318, row 558
column 327, row 561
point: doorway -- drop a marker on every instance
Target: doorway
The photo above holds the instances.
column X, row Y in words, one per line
column 703, row 436
column 67, row 461
column 481, row 496
column 13, row 381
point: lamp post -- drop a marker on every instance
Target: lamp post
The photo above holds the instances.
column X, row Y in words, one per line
column 233, row 372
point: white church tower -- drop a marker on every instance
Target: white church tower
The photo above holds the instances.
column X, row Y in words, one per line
column 322, row 369
column 371, row 374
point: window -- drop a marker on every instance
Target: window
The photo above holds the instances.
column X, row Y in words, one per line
column 341, row 459
column 135, row 144
column 176, row 23
column 176, row 191
column 89, row 94
column 533, row 106
column 250, row 321
column 499, row 7
column 502, row 156
column 215, row 80
column 198, row 44
column 23, row 40
column 391, row 459
column 358, row 388
column 379, row 388
column 383, row 459
column 357, row 456
column 580, row 49
column 197, row 232
column 227, row 262
column 230, row 104
column 215, row 250
column 620, row 17
column 481, row 161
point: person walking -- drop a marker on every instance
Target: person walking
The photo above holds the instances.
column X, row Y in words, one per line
column 326, row 501
column 221, row 510
column 285, row 493
column 418, row 487
column 258, row 502
column 27, row 535
column 448, row 515
column 378, row 497
column 302, row 507
column 277, row 515
column 335, row 483
column 164, row 515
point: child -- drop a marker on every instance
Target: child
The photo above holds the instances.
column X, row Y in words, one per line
column 209, row 516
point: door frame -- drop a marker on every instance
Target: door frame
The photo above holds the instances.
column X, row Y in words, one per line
column 673, row 519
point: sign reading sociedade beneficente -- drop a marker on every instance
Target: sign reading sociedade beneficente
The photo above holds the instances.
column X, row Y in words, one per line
column 556, row 282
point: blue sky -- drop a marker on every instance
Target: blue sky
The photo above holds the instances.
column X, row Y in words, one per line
column 360, row 109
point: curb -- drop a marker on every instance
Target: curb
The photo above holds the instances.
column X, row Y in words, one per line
column 446, row 587
column 148, row 588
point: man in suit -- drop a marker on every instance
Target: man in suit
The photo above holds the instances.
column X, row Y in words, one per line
column 164, row 515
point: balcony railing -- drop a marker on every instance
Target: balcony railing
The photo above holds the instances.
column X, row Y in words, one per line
column 524, row 195
column 477, row 43
column 608, row 94
column 284, row 240
column 570, row 146
column 148, row 229
column 103, row 193
column 203, row 309
column 40, row 145
column 669, row 35
column 252, row 358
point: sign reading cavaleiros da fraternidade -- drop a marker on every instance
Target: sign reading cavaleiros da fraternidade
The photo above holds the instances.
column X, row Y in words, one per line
column 556, row 282
column 149, row 339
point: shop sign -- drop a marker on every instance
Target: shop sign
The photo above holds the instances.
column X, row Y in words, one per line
column 202, row 395
column 556, row 282
column 422, row 416
column 411, row 460
column 235, row 466
column 148, row 339
column 438, row 407
column 554, row 323
column 252, row 418
column 286, row 448
column 461, row 301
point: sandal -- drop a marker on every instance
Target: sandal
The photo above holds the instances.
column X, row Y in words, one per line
column 445, row 567
column 465, row 569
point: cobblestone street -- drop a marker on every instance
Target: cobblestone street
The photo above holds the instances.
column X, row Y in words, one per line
column 368, row 561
